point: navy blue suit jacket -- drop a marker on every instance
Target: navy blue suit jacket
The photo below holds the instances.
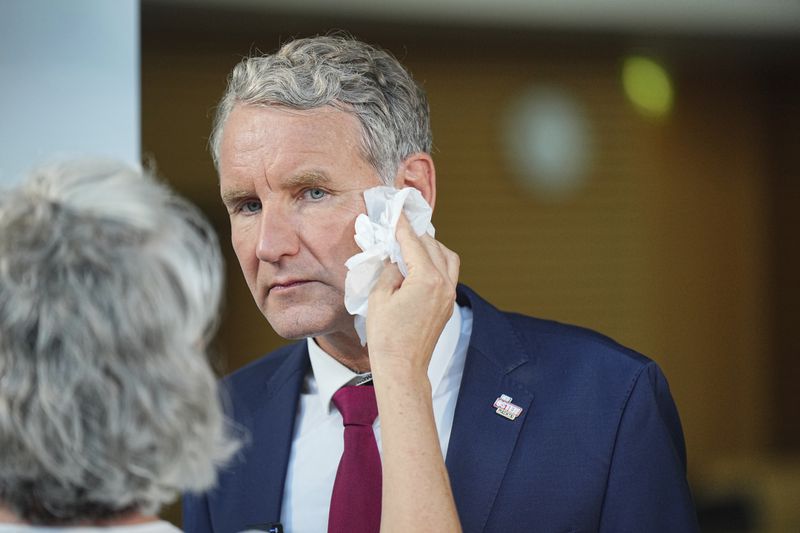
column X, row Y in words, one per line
column 597, row 447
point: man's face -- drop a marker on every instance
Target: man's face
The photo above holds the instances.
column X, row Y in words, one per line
column 292, row 183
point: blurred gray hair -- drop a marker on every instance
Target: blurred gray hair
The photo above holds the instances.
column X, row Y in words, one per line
column 109, row 290
column 338, row 71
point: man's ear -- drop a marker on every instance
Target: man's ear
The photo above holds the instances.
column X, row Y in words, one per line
column 417, row 171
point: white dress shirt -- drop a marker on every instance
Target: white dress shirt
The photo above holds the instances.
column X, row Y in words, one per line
column 318, row 439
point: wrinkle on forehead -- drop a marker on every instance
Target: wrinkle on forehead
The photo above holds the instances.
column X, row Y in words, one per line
column 326, row 117
column 264, row 142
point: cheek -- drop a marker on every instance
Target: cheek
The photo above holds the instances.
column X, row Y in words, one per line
column 245, row 249
column 331, row 239
column 343, row 234
column 345, row 247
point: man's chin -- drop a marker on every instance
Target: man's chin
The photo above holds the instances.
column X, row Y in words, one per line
column 299, row 329
column 293, row 334
column 308, row 317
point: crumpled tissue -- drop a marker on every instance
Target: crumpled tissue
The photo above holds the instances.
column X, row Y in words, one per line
column 375, row 235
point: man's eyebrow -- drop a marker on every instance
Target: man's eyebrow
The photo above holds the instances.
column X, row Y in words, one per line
column 310, row 178
column 233, row 196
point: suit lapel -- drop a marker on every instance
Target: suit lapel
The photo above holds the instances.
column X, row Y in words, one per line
column 275, row 428
column 261, row 475
column 482, row 441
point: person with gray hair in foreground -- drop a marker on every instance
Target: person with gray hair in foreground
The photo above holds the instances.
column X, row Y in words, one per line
column 109, row 292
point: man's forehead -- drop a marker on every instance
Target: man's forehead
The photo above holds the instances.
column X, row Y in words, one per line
column 252, row 130
column 300, row 146
column 266, row 116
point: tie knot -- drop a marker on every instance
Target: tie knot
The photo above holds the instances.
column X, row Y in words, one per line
column 357, row 405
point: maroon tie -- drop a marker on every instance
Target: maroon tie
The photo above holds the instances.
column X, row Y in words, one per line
column 356, row 499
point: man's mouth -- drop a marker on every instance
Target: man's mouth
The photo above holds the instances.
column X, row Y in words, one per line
column 285, row 285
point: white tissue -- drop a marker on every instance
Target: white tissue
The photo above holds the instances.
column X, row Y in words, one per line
column 375, row 235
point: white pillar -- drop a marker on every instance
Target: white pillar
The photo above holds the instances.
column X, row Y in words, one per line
column 69, row 81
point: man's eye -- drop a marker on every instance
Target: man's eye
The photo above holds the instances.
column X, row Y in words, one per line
column 250, row 207
column 315, row 193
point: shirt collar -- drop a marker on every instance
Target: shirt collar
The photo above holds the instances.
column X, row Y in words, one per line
column 330, row 375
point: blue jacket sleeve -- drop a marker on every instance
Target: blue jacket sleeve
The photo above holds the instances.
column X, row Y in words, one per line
column 647, row 488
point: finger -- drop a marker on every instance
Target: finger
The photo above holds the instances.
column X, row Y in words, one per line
column 453, row 266
column 412, row 248
column 432, row 253
column 437, row 252
column 389, row 279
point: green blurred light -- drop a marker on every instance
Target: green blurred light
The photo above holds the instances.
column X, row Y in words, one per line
column 648, row 86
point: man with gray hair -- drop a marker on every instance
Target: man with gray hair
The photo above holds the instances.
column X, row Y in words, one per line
column 109, row 291
column 544, row 426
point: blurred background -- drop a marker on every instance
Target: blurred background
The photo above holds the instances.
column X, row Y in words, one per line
column 629, row 166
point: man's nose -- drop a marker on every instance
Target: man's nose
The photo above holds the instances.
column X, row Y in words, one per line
column 277, row 236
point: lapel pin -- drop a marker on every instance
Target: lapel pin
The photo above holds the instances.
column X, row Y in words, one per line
column 505, row 408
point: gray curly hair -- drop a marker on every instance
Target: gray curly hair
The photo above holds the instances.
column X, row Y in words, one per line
column 109, row 290
column 339, row 71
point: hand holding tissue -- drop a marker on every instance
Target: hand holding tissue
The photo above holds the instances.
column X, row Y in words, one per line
column 375, row 235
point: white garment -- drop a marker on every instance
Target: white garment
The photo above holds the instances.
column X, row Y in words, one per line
column 318, row 439
column 157, row 526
